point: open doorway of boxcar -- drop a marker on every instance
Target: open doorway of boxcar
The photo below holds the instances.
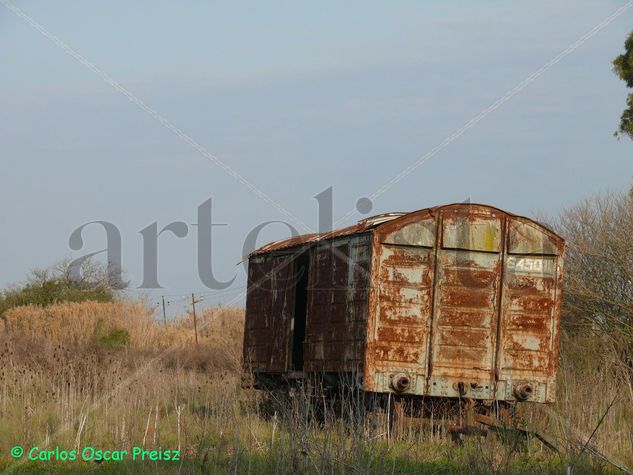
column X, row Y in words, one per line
column 301, row 274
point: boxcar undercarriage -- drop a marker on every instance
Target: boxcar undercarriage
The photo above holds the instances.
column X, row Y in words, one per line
column 386, row 414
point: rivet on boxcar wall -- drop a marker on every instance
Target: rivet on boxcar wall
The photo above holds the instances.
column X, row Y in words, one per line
column 523, row 391
column 400, row 382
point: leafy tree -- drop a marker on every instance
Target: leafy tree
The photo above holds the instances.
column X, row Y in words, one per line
column 623, row 67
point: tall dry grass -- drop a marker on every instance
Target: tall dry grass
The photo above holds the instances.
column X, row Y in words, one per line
column 61, row 385
column 80, row 324
column 591, row 377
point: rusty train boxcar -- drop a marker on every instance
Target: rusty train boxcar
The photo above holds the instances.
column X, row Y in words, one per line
column 460, row 300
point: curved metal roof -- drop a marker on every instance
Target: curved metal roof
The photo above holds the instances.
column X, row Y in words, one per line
column 376, row 222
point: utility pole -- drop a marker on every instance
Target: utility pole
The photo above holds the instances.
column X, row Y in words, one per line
column 195, row 320
column 164, row 313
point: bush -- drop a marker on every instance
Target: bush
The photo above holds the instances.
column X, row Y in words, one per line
column 117, row 338
column 56, row 285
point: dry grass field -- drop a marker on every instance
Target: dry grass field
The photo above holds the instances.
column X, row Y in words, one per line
column 108, row 375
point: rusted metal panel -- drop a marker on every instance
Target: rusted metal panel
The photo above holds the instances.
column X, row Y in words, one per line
column 402, row 304
column 528, row 238
column 465, row 319
column 337, row 312
column 268, row 306
column 466, row 302
column 419, row 233
column 258, row 310
column 471, row 228
column 529, row 332
column 318, row 306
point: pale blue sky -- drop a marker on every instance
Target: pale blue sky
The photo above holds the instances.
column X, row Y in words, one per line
column 296, row 97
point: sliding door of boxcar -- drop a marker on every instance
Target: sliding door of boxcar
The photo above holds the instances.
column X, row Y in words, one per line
column 337, row 307
column 466, row 302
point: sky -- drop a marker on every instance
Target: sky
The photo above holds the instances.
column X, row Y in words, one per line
column 294, row 97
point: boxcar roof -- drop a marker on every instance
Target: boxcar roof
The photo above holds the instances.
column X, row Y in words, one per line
column 375, row 222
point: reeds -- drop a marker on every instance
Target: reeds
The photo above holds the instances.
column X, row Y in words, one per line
column 80, row 324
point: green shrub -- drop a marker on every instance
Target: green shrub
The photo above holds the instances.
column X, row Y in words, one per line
column 51, row 286
column 117, row 338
